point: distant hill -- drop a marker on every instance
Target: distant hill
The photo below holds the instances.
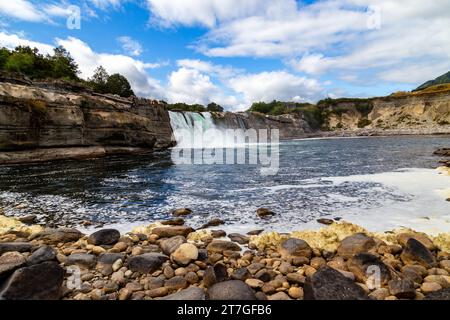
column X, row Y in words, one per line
column 445, row 78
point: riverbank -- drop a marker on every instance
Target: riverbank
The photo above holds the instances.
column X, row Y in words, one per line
column 169, row 260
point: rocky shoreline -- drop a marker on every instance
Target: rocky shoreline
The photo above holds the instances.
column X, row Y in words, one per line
column 171, row 261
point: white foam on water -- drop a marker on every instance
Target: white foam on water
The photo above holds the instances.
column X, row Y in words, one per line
column 423, row 210
column 427, row 211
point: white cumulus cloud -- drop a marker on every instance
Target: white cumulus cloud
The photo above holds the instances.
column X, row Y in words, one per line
column 275, row 85
column 22, row 10
column 130, row 46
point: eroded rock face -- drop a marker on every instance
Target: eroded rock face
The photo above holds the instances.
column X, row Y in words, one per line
column 230, row 290
column 39, row 282
column 289, row 125
column 33, row 116
column 329, row 284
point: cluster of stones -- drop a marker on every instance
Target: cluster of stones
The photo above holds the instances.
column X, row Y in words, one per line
column 65, row 264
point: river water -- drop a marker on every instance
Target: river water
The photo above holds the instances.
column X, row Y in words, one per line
column 379, row 182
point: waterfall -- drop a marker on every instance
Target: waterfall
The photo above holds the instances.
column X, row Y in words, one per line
column 187, row 125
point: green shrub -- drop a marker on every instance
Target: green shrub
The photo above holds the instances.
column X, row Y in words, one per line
column 186, row 107
column 60, row 65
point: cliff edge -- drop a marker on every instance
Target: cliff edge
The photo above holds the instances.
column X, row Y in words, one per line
column 52, row 120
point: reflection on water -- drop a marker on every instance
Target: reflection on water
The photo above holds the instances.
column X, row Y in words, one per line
column 147, row 188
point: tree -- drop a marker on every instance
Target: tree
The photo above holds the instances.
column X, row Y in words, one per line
column 259, row 107
column 214, row 107
column 63, row 65
column 99, row 79
column 278, row 109
column 31, row 63
column 21, row 60
column 118, row 84
column 4, row 55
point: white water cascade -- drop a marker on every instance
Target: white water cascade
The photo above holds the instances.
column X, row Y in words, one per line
column 185, row 124
column 198, row 130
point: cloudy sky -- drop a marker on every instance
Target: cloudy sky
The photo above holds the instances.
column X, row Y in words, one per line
column 235, row 52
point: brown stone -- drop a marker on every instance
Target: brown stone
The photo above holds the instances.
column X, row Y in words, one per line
column 230, row 290
column 9, row 262
column 55, row 236
column 219, row 246
column 416, row 253
column 176, row 283
column 317, row 262
column 402, row 288
column 264, row 212
column 174, row 222
column 355, row 244
column 181, row 212
column 366, row 265
column 294, row 248
column 403, row 238
column 167, row 232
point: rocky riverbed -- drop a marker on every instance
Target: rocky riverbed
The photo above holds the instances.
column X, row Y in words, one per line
column 169, row 260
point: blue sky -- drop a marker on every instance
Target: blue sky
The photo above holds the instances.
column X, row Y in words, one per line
column 235, row 52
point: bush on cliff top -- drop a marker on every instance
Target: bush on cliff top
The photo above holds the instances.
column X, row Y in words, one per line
column 31, row 63
column 186, row 107
column 60, row 65
column 311, row 113
column 102, row 82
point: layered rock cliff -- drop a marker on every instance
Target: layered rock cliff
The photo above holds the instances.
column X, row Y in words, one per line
column 289, row 125
column 411, row 113
column 46, row 120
